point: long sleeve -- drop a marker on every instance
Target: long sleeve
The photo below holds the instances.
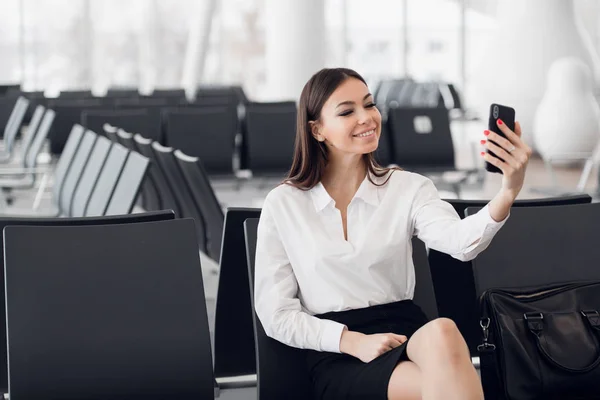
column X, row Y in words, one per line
column 437, row 224
column 276, row 296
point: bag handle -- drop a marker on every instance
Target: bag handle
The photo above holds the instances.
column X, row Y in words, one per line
column 536, row 326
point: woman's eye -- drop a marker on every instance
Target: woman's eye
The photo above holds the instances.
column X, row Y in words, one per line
column 345, row 113
column 371, row 105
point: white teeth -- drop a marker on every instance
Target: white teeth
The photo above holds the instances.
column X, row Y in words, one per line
column 369, row 133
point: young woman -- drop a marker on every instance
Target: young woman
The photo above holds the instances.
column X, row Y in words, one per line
column 334, row 270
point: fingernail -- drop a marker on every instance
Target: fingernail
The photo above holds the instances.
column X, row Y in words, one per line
column 500, row 122
column 482, row 141
column 486, row 133
column 483, row 153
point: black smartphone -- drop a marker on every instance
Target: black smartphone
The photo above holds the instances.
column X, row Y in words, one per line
column 507, row 115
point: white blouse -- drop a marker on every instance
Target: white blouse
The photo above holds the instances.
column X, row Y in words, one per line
column 304, row 266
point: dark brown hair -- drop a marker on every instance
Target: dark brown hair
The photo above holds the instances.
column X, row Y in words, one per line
column 310, row 155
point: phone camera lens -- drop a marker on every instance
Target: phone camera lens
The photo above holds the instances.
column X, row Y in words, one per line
column 495, row 111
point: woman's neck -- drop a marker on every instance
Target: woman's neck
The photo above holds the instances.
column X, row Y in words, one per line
column 344, row 173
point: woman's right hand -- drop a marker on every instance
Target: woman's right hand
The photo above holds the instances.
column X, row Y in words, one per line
column 369, row 347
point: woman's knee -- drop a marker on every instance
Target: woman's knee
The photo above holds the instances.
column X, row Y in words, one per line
column 442, row 340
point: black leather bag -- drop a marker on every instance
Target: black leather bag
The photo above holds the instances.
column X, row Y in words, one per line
column 542, row 343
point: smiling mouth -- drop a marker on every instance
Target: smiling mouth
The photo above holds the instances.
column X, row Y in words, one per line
column 365, row 134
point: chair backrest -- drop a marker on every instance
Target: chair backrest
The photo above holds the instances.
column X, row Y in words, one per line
column 68, row 112
column 270, row 131
column 132, row 120
column 32, row 130
column 453, row 280
column 424, row 295
column 111, row 132
column 541, row 246
column 89, row 176
column 129, row 184
column 234, row 352
column 168, row 200
column 75, row 94
column 166, row 161
column 421, row 138
column 126, row 139
column 198, row 184
column 14, row 122
column 123, row 317
column 205, row 132
column 38, row 141
column 64, row 162
column 15, row 221
column 281, row 370
column 77, row 165
column 105, row 185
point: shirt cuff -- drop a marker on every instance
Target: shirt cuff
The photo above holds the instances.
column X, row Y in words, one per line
column 488, row 227
column 332, row 334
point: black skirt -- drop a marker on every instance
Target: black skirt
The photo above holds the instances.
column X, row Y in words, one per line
column 341, row 376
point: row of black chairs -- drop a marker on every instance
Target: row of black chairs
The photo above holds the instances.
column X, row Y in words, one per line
column 257, row 136
column 62, row 324
column 178, row 182
column 445, row 287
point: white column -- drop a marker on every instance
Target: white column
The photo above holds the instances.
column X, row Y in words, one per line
column 294, row 45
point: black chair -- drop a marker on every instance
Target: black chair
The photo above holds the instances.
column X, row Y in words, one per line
column 154, row 108
column 165, row 160
column 29, row 177
column 234, row 352
column 281, row 370
column 107, row 181
column 126, row 139
column 10, row 88
column 112, row 315
column 132, row 120
column 64, row 164
column 270, row 131
column 68, row 113
column 75, row 94
column 541, row 246
column 453, row 280
column 74, row 173
column 122, row 92
column 177, row 92
column 422, row 142
column 18, row 108
column 129, row 184
column 11, row 221
column 89, row 177
column 167, row 197
column 149, row 197
column 422, row 139
column 205, row 132
column 204, row 196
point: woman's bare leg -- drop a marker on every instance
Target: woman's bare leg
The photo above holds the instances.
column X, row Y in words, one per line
column 441, row 355
column 405, row 383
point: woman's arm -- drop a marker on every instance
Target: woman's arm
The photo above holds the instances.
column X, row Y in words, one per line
column 276, row 296
column 437, row 224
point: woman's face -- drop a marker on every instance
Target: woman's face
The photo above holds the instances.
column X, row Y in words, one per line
column 349, row 122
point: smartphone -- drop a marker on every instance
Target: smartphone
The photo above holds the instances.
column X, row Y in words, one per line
column 507, row 115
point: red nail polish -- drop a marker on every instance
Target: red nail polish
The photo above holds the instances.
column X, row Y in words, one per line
column 500, row 122
column 482, row 153
column 486, row 133
column 482, row 141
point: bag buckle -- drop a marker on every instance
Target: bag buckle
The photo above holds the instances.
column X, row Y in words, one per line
column 534, row 320
column 485, row 346
column 592, row 316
